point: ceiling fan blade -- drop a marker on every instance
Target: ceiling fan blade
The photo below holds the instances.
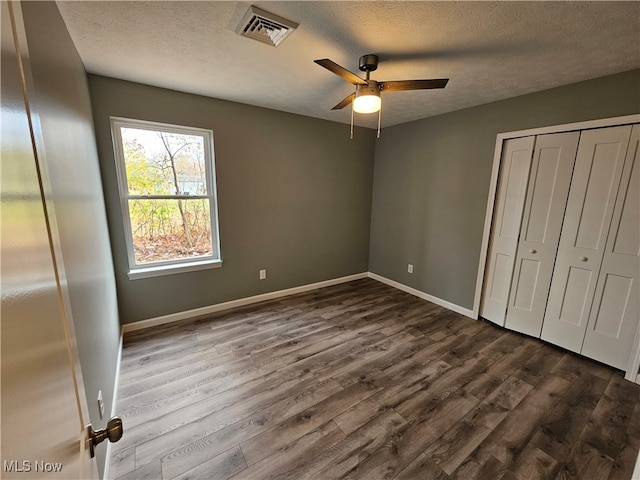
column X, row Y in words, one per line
column 346, row 101
column 340, row 71
column 398, row 85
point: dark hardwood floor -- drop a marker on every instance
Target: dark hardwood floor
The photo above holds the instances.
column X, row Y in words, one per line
column 363, row 381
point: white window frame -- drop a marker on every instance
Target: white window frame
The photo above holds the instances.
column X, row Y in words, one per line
column 166, row 267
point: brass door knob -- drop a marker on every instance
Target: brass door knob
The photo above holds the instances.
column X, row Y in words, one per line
column 113, row 432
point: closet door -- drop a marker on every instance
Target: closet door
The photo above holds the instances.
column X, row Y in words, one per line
column 615, row 316
column 549, row 181
column 512, row 187
column 594, row 187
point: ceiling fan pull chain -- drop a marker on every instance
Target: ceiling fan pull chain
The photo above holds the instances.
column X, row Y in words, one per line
column 351, row 137
column 379, row 115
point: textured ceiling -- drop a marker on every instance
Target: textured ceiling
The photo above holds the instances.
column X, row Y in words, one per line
column 489, row 50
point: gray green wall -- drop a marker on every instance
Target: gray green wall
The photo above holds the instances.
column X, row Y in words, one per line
column 295, row 193
column 432, row 178
column 61, row 99
column 294, row 197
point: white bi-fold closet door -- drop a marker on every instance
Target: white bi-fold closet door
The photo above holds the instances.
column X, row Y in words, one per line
column 535, row 175
column 604, row 186
column 563, row 259
column 549, row 181
column 512, row 189
column 615, row 312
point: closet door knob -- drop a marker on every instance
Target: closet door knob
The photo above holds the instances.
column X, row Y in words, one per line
column 533, row 250
column 583, row 259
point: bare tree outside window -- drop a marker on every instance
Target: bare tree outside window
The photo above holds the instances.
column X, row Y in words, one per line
column 167, row 194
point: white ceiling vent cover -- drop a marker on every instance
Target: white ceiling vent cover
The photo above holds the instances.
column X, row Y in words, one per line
column 265, row 27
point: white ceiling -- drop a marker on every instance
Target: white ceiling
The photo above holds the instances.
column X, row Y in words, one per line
column 488, row 50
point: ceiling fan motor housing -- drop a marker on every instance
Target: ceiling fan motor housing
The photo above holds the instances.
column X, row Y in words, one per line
column 372, row 88
column 368, row 63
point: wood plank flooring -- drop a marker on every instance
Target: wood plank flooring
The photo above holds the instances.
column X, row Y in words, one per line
column 363, row 381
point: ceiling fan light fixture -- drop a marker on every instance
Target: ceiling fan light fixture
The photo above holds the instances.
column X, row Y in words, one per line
column 367, row 99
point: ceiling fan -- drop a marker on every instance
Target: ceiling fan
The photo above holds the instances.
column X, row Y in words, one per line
column 366, row 98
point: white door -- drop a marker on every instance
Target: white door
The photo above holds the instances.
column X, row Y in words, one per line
column 615, row 316
column 553, row 159
column 596, row 178
column 512, row 188
column 42, row 399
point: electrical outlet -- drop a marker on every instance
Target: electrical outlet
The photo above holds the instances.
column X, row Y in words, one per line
column 100, row 404
column 263, row 274
column 410, row 268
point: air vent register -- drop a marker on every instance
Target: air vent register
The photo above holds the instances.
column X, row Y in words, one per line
column 265, row 27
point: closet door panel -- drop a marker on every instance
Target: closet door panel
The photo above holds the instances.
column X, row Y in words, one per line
column 512, row 187
column 594, row 187
column 615, row 314
column 549, row 181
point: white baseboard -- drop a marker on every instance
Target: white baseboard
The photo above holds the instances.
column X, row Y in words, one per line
column 114, row 410
column 197, row 312
column 425, row 296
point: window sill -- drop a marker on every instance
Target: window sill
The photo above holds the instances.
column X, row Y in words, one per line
column 162, row 270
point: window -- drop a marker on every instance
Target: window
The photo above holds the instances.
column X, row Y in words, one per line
column 166, row 179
